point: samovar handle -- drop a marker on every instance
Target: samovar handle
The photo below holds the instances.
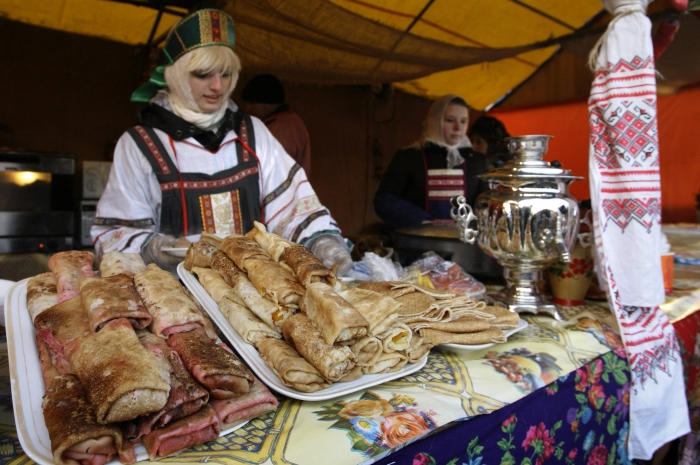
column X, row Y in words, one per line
column 463, row 214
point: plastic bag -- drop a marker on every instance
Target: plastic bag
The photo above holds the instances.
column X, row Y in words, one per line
column 382, row 268
column 441, row 274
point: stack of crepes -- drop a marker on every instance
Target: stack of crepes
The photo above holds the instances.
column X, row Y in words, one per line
column 308, row 327
column 131, row 357
column 439, row 317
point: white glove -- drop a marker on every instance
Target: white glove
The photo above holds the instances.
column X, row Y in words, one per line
column 152, row 252
column 331, row 249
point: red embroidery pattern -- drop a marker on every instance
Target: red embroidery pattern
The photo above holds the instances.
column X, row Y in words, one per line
column 237, row 217
column 208, row 223
column 244, row 136
column 167, row 186
column 215, row 27
column 622, row 212
column 154, row 149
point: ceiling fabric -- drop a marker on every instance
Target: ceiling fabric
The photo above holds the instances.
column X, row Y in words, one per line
column 479, row 49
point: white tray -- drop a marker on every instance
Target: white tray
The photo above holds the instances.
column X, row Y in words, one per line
column 460, row 348
column 266, row 375
column 28, row 384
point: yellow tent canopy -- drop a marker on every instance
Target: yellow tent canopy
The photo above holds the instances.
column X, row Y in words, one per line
column 480, row 49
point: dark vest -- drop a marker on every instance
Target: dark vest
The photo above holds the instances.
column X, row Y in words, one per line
column 226, row 202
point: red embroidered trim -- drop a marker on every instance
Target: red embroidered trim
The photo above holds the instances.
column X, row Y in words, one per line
column 168, row 186
column 207, row 214
column 154, row 149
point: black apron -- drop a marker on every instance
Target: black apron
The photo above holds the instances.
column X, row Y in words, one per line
column 226, row 202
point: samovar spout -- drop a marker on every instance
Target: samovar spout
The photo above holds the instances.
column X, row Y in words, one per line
column 559, row 244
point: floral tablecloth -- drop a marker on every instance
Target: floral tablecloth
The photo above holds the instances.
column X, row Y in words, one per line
column 519, row 382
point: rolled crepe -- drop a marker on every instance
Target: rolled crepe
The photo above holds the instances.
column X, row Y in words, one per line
column 266, row 310
column 352, row 375
column 199, row 254
column 41, row 293
column 398, row 337
column 106, row 299
column 418, row 348
column 114, row 263
column 491, row 335
column 58, row 326
column 186, row 395
column 387, row 363
column 255, row 402
column 273, row 244
column 333, row 362
column 307, row 268
column 246, row 323
column 241, row 249
column 48, row 371
column 467, row 324
column 379, row 310
column 182, row 434
column 275, row 282
column 70, row 268
column 212, row 364
column 292, row 368
column 333, row 316
column 212, row 282
column 76, row 435
column 367, row 350
column 122, row 378
column 212, row 239
column 172, row 307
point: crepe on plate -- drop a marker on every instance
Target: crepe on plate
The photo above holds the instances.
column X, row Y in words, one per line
column 114, row 263
column 293, row 370
column 106, row 299
column 333, row 316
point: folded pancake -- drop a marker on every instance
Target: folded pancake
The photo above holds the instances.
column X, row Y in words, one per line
column 41, row 293
column 333, row 362
column 198, row 428
column 379, row 310
column 106, row 299
column 255, row 402
column 212, row 282
column 77, row 437
column 333, row 316
column 172, row 307
column 122, row 378
column 271, row 314
column 114, row 263
column 199, row 254
column 70, row 268
column 393, row 289
column 292, row 368
column 504, row 318
column 209, row 238
column 212, row 364
column 241, row 249
column 275, row 282
column 467, row 324
column 273, row 244
column 367, row 350
column 418, row 348
column 58, row 326
column 246, row 323
column 491, row 335
column 387, row 363
column 398, row 337
column 306, row 266
column 186, row 396
column 414, row 305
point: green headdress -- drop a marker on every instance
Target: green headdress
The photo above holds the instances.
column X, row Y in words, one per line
column 200, row 29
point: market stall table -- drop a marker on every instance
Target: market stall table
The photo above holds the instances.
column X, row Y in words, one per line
column 581, row 363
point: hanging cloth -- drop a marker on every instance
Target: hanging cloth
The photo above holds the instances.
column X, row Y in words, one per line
column 626, row 199
column 440, row 186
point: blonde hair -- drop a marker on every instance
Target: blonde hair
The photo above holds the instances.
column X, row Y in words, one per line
column 205, row 60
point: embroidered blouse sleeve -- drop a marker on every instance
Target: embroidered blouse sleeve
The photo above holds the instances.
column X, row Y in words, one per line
column 290, row 205
column 129, row 208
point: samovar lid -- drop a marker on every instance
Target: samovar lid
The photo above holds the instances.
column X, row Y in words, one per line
column 527, row 161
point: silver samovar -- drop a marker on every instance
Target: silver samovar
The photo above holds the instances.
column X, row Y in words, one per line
column 526, row 220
